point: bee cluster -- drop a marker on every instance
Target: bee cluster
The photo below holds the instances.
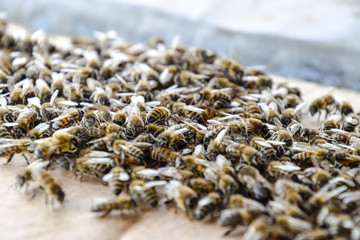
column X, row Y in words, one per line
column 178, row 127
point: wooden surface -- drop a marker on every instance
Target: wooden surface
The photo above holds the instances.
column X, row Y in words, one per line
column 21, row 218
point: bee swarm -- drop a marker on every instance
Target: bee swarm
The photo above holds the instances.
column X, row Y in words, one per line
column 180, row 127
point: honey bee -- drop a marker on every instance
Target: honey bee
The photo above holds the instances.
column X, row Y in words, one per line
column 162, row 154
column 259, row 228
column 254, row 110
column 318, row 176
column 42, row 130
column 323, row 103
column 350, row 122
column 99, row 96
column 216, row 98
column 43, row 90
column 247, row 153
column 207, row 205
column 344, row 108
column 123, row 203
column 28, row 173
column 26, row 120
column 185, row 198
column 129, row 152
column 97, row 164
column 277, row 169
column 231, row 69
column 332, row 122
column 90, row 119
column 135, row 124
column 201, row 186
column 66, row 119
column 234, row 217
column 255, row 184
column 119, row 118
column 193, row 113
column 294, row 193
column 158, row 115
column 266, row 148
column 52, row 189
column 315, row 154
column 145, row 191
column 4, row 133
column 292, row 224
column 12, row 146
column 117, row 177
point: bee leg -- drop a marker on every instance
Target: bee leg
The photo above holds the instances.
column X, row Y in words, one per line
column 26, row 159
column 228, row 232
column 32, row 194
column 9, row 158
column 314, row 161
column 319, row 115
column 105, row 213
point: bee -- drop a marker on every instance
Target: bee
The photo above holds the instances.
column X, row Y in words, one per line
column 12, row 146
column 90, row 119
column 43, row 90
column 52, row 189
column 234, row 217
column 256, row 127
column 294, row 193
column 4, row 133
column 315, row 154
column 66, row 119
column 185, row 78
column 184, row 197
column 193, row 113
column 42, row 130
column 255, row 184
column 97, row 164
column 322, row 103
column 344, row 107
column 266, row 148
column 247, row 153
column 260, row 228
column 282, row 168
column 206, row 205
column 158, row 115
column 291, row 101
column 129, row 152
column 117, row 177
column 28, row 173
column 99, row 96
column 332, row 122
column 237, row 201
column 292, row 224
column 318, row 176
column 64, row 142
column 16, row 97
column 123, row 203
column 135, row 124
column 201, row 186
column 145, row 191
column 57, row 83
column 119, row 118
column 216, row 98
column 173, row 139
column 254, row 110
column 26, row 120
column 162, row 154
column 231, row 69
column 350, row 122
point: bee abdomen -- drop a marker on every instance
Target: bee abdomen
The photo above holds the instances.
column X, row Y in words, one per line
column 203, row 211
column 149, row 196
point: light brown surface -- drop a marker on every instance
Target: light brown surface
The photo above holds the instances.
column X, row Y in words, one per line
column 21, row 218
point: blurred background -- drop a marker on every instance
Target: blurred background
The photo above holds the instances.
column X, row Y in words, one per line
column 314, row 40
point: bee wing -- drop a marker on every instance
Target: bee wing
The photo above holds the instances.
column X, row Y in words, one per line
column 148, row 172
column 179, row 132
column 3, row 102
column 141, row 144
column 221, row 135
column 214, row 122
column 169, row 172
column 68, row 103
column 264, row 144
column 34, row 101
column 300, row 106
column 86, row 104
column 123, row 176
column 10, row 124
column 347, row 147
column 336, row 130
column 351, row 120
column 192, row 108
column 336, row 118
column 186, row 151
column 101, row 200
column 97, row 154
column 199, row 149
column 204, row 201
column 287, row 167
column 107, row 177
column 229, row 116
column 153, row 103
column 155, row 183
column 98, row 161
column 42, row 127
column 165, row 76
